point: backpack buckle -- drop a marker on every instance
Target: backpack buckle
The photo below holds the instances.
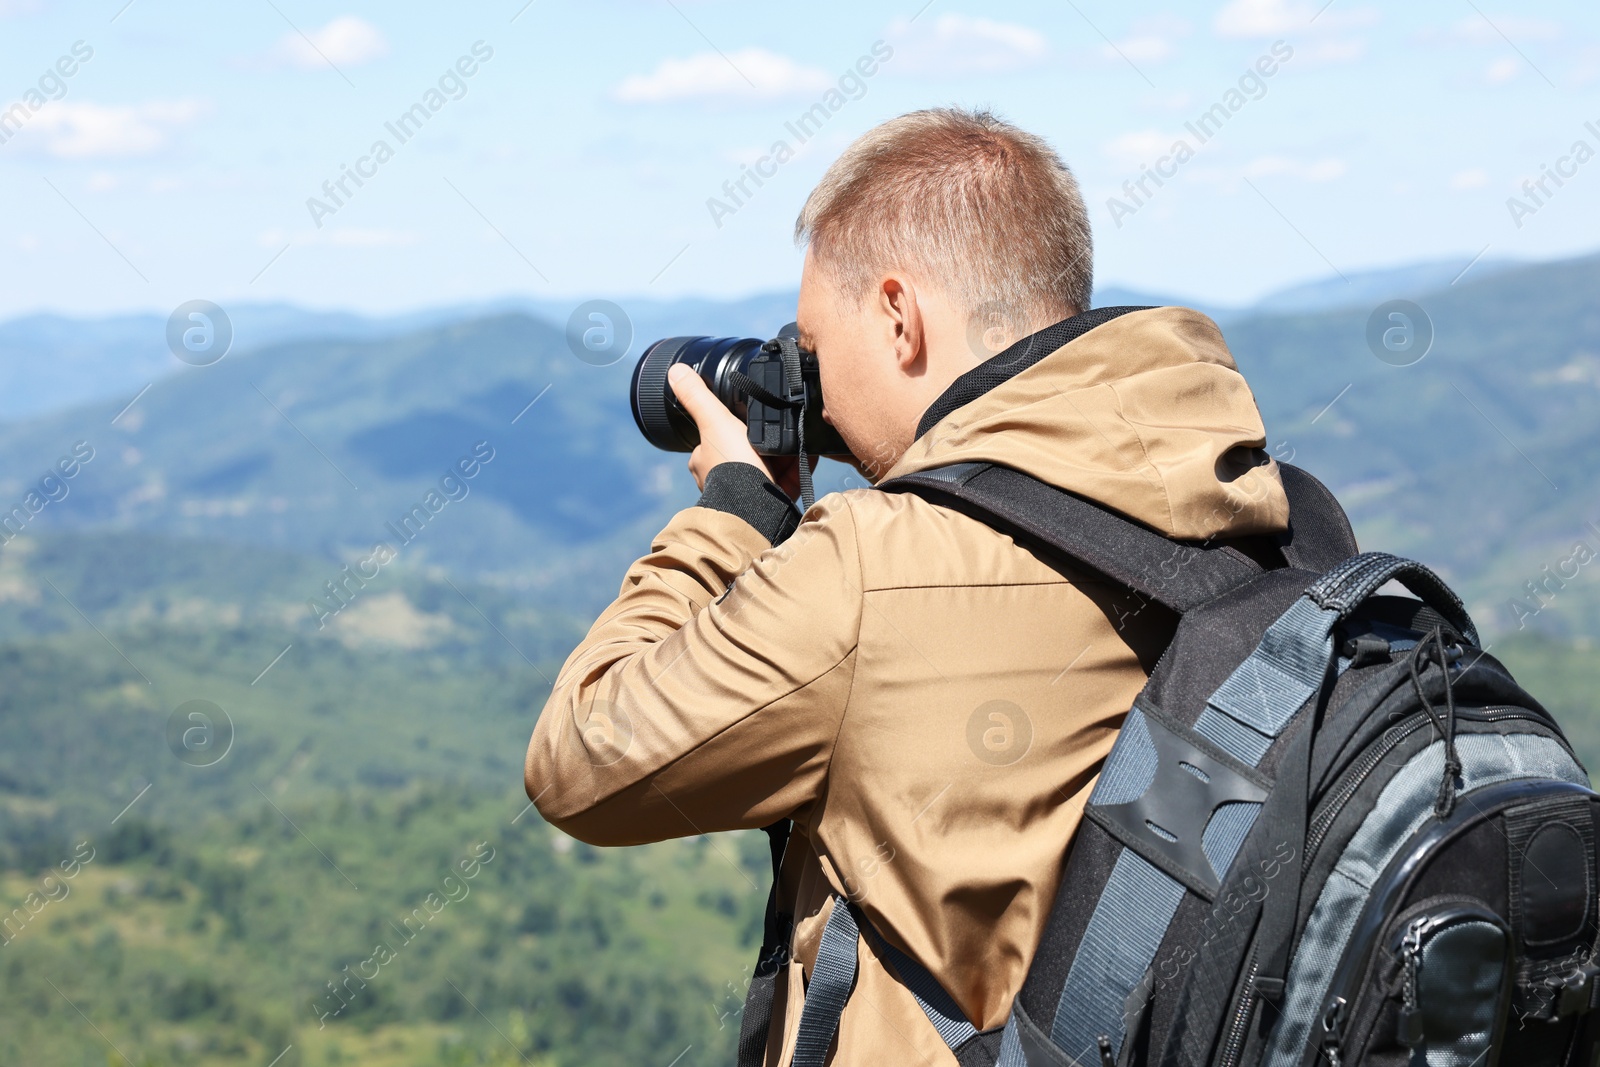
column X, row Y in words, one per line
column 1576, row 993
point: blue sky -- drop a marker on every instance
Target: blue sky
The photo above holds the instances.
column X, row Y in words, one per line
column 577, row 160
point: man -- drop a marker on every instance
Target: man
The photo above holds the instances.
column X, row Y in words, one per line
column 928, row 701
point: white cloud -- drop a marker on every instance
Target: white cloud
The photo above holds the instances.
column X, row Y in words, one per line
column 965, row 44
column 1588, row 67
column 748, row 155
column 1263, row 19
column 1165, row 25
column 1148, row 49
column 1505, row 37
column 1473, row 178
column 338, row 237
column 352, row 237
column 1323, row 170
column 1502, row 70
column 747, row 73
column 1180, row 100
column 18, row 7
column 1334, row 50
column 83, row 130
column 347, row 41
column 1152, row 39
column 1137, row 148
column 1474, row 29
column 1317, row 30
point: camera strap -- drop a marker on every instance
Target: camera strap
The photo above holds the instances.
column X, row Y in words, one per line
column 795, row 398
column 777, row 929
column 794, row 382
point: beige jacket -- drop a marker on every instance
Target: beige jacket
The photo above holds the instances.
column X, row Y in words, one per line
column 929, row 702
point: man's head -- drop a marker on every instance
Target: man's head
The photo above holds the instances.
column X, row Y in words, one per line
column 933, row 242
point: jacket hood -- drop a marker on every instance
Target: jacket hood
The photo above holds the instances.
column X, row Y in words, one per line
column 1142, row 411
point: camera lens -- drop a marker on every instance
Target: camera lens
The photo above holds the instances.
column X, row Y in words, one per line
column 656, row 410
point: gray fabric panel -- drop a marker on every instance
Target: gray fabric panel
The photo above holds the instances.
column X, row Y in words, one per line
column 937, row 1005
column 1234, row 738
column 1131, row 766
column 1283, row 672
column 1458, row 990
column 829, row 987
column 1133, row 913
column 1226, row 831
column 1403, row 808
column 1010, row 1046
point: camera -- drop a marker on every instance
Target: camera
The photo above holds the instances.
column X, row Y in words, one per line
column 774, row 386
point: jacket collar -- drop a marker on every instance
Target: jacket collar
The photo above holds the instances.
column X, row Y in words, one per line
column 1019, row 357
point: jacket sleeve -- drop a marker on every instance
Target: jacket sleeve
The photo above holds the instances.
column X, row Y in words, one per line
column 708, row 695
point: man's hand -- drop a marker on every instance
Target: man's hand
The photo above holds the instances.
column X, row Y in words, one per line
column 723, row 437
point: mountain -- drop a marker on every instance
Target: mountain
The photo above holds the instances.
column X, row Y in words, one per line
column 1479, row 457
column 332, row 447
column 51, row 361
column 1120, row 296
column 1375, row 286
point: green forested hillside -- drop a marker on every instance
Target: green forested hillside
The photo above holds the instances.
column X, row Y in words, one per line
column 218, row 901
column 419, row 925
column 220, row 898
column 1480, row 458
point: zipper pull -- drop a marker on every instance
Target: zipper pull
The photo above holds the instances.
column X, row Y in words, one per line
column 1333, row 1032
column 1106, row 1058
column 1410, row 1028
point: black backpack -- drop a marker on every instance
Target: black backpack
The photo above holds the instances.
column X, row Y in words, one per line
column 1332, row 828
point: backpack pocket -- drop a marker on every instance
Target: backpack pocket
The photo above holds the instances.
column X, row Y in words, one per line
column 1455, row 978
column 1442, row 987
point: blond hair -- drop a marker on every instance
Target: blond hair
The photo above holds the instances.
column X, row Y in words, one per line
column 984, row 210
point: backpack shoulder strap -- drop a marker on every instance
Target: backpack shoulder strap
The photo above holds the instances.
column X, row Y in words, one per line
column 1319, row 537
column 1177, row 574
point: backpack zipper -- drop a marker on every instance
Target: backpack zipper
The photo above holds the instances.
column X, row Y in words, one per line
column 1241, row 1018
column 1410, row 1024
column 1352, row 779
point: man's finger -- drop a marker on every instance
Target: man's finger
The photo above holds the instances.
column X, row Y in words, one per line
column 693, row 393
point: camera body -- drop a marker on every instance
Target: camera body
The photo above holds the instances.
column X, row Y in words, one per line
column 774, row 386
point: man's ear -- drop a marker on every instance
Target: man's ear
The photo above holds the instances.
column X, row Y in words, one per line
column 897, row 297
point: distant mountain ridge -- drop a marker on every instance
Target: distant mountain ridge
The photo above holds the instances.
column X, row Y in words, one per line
column 1375, row 286
column 1478, row 458
column 50, row 361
